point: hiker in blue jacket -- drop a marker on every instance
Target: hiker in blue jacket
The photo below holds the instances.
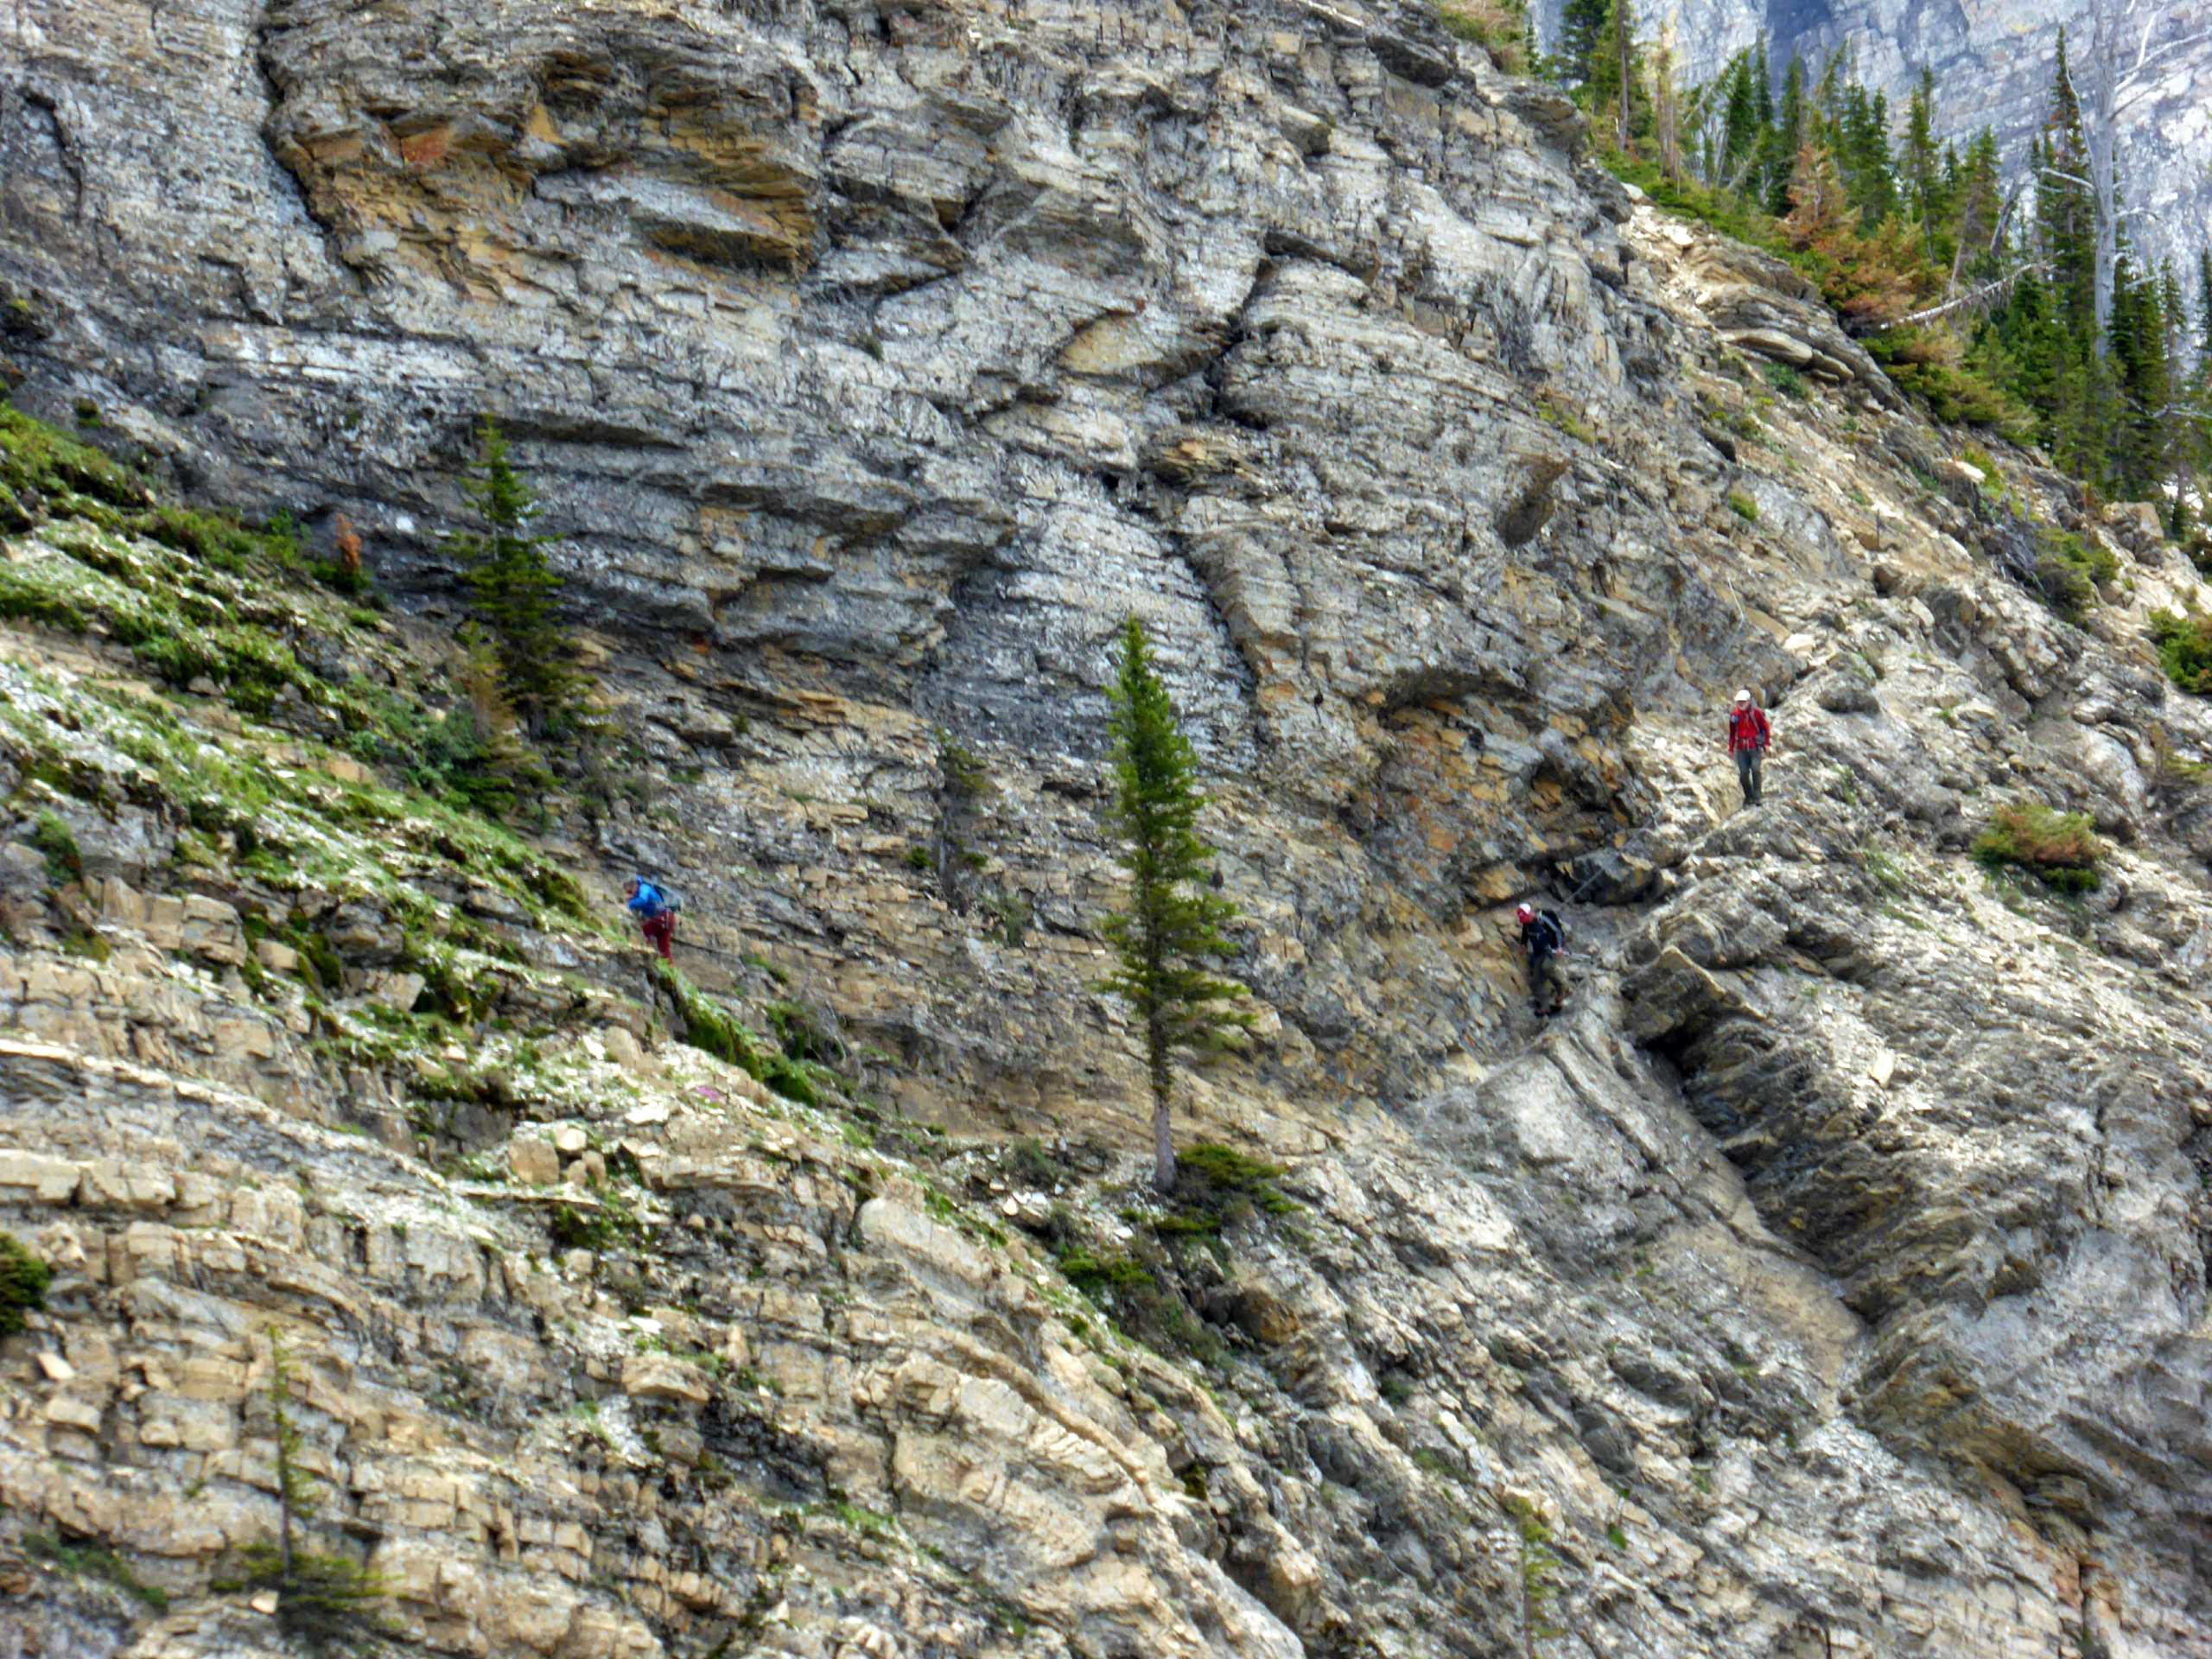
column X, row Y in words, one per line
column 656, row 914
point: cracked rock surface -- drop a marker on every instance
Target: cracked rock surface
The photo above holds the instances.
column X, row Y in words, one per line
column 1830, row 1280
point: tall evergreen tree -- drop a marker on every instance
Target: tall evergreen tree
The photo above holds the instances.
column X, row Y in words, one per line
column 2137, row 354
column 2065, row 206
column 329, row 1603
column 1824, row 97
column 2176, row 426
column 1974, row 202
column 1581, row 23
column 1788, row 138
column 1172, row 929
column 1925, row 183
column 517, row 591
column 2199, row 414
column 2087, row 411
column 2027, row 324
column 2176, row 309
column 1741, row 129
column 1861, row 143
column 2081, row 392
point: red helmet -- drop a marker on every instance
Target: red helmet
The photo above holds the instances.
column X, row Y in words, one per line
column 1526, row 913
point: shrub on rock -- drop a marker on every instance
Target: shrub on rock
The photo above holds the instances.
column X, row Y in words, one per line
column 2069, row 570
column 2186, row 648
column 23, row 1279
column 2061, row 849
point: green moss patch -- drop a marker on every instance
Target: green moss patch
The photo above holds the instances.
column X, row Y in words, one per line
column 712, row 1029
column 23, row 1281
column 41, row 465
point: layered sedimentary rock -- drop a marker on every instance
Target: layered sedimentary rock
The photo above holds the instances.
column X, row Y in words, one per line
column 1830, row 1281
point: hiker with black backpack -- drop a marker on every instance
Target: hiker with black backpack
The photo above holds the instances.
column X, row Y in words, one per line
column 1543, row 936
column 655, row 907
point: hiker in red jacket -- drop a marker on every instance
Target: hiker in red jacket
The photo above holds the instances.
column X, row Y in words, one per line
column 1747, row 741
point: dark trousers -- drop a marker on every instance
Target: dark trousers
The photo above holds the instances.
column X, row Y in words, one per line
column 660, row 933
column 1749, row 764
column 1546, row 990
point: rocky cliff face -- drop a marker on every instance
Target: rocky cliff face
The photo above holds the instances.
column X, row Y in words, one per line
column 1992, row 64
column 1830, row 1281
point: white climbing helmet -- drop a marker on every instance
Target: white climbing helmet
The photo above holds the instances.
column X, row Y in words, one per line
column 1743, row 696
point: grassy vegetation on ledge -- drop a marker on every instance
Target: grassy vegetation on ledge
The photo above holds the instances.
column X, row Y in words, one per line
column 330, row 804
column 54, row 841
column 1217, row 1187
column 1500, row 28
column 194, row 596
column 266, row 804
column 204, row 603
column 713, row 1030
column 91, row 1561
column 1726, row 212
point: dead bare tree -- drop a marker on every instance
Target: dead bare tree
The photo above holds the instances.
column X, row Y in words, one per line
column 1982, row 295
column 1666, row 111
column 2125, row 52
column 1625, row 45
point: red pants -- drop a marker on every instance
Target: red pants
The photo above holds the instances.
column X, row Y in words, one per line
column 660, row 933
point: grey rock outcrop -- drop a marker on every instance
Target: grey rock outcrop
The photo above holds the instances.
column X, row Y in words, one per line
column 1830, row 1281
